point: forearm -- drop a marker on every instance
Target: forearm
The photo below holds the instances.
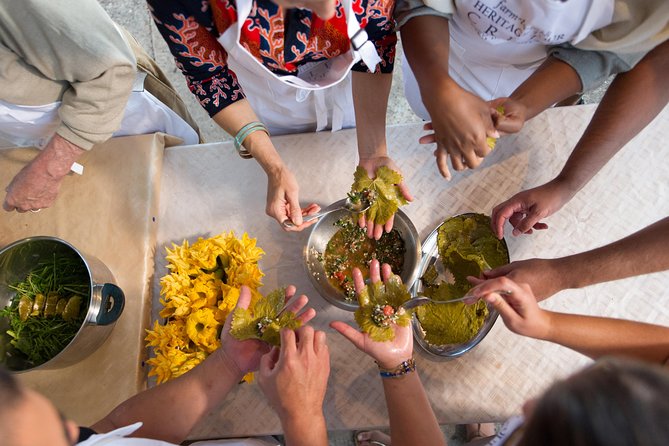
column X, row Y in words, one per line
column 370, row 99
column 643, row 252
column 596, row 337
column 58, row 156
column 190, row 34
column 170, row 411
column 305, row 430
column 426, row 41
column 630, row 103
column 235, row 116
column 412, row 420
column 552, row 82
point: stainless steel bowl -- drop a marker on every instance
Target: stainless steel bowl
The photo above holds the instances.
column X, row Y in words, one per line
column 321, row 234
column 430, row 255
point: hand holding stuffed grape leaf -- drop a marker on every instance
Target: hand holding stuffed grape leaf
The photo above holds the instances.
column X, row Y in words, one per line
column 499, row 115
column 245, row 352
column 387, row 196
column 380, row 308
column 260, row 321
column 399, row 346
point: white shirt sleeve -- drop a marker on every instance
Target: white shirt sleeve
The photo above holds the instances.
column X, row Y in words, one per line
column 119, row 437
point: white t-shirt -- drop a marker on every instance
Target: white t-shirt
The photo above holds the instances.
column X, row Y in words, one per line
column 495, row 45
column 517, row 32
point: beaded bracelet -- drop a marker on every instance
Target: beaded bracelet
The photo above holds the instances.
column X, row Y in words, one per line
column 405, row 367
column 243, row 133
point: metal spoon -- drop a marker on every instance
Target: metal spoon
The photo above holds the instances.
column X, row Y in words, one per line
column 424, row 300
column 349, row 205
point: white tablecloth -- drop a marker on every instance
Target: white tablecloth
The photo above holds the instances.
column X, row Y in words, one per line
column 208, row 189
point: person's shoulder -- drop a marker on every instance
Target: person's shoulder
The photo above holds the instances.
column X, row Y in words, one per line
column 444, row 6
column 409, row 9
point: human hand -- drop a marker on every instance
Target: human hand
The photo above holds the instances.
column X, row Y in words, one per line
column 513, row 118
column 294, row 377
column 518, row 307
column 245, row 355
column 36, row 186
column 282, row 201
column 386, row 354
column 325, row 9
column 371, row 165
column 525, row 209
column 545, row 276
column 461, row 122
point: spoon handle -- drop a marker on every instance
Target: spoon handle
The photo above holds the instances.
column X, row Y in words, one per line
column 471, row 296
column 287, row 223
column 424, row 300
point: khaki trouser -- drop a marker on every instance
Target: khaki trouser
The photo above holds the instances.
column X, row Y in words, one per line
column 157, row 83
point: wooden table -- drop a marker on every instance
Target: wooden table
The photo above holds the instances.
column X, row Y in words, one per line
column 208, row 189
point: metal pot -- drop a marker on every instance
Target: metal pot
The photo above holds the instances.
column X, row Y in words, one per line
column 105, row 304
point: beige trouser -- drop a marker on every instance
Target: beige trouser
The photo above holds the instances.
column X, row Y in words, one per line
column 157, row 83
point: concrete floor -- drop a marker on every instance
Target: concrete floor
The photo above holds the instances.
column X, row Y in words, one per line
column 135, row 17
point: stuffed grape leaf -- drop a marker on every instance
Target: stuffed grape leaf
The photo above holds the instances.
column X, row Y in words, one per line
column 379, row 306
column 260, row 322
column 386, row 193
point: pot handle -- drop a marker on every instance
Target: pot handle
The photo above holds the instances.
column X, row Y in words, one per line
column 112, row 301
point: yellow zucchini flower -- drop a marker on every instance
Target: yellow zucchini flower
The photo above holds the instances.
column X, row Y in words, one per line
column 203, row 329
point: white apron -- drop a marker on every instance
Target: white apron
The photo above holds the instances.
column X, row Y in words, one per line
column 319, row 97
column 119, row 437
column 495, row 45
column 33, row 126
column 25, row 125
column 145, row 113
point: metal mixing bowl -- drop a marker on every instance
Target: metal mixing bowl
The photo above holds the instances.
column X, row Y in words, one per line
column 430, row 255
column 321, row 234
